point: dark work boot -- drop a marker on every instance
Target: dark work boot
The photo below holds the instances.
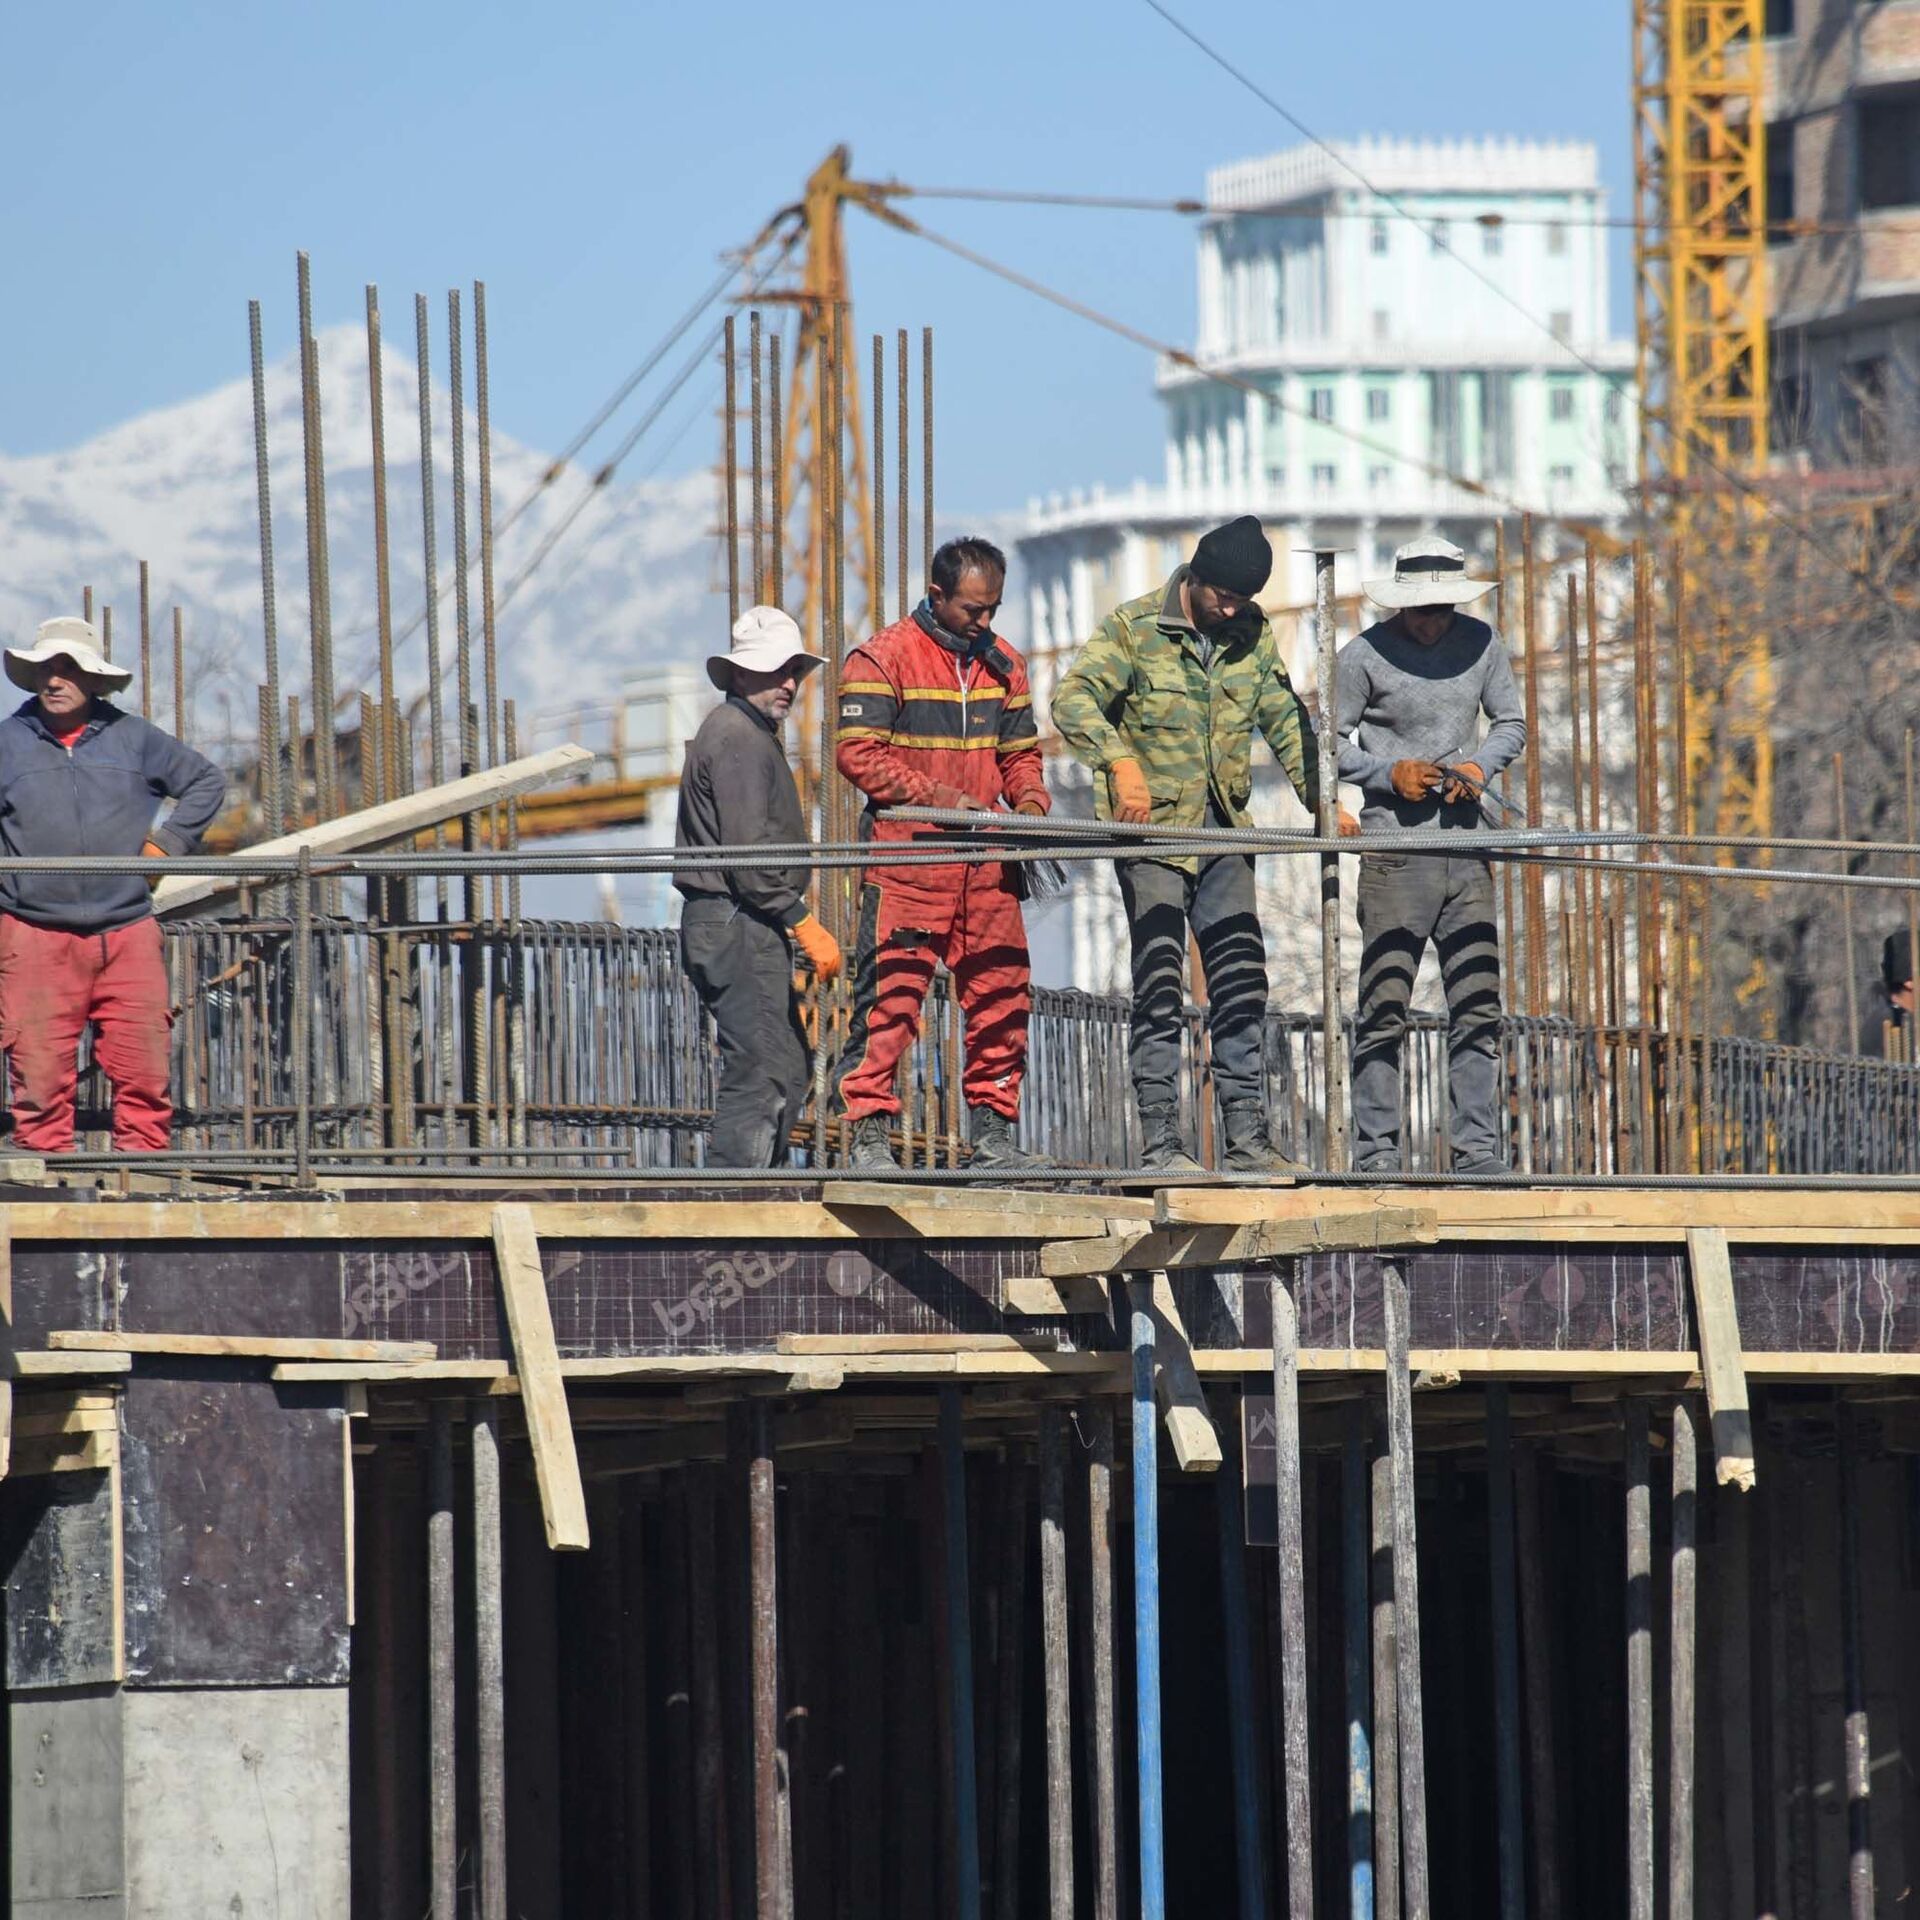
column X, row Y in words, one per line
column 992, row 1135
column 1162, row 1150
column 870, row 1146
column 1248, row 1148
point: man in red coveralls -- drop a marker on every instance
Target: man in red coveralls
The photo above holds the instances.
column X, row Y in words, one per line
column 935, row 711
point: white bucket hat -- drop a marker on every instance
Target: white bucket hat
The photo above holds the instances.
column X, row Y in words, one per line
column 764, row 640
column 67, row 635
column 1428, row 572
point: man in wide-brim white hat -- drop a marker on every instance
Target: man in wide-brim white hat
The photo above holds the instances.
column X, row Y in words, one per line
column 78, row 776
column 1411, row 692
column 736, row 790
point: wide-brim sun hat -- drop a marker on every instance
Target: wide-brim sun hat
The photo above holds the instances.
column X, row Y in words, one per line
column 1429, row 572
column 764, row 640
column 69, row 635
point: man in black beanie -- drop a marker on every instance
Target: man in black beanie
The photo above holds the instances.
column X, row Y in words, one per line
column 1886, row 1028
column 1162, row 704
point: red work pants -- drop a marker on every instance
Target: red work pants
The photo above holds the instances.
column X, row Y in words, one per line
column 52, row 983
column 911, row 918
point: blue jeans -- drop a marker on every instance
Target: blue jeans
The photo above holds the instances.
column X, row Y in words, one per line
column 1405, row 901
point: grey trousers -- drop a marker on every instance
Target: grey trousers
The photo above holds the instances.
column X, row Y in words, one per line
column 1218, row 903
column 742, row 969
column 1405, row 901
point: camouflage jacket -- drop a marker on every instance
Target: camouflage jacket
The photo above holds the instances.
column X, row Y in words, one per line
column 1143, row 688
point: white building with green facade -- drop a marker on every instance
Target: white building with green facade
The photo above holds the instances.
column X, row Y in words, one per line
column 1430, row 351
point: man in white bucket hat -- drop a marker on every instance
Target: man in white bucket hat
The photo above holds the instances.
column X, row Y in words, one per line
column 78, row 776
column 1411, row 691
column 736, row 790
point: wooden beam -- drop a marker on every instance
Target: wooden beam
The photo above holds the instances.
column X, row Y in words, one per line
column 1711, row 1268
column 840, row 1344
column 1008, row 1203
column 1160, row 1248
column 1183, row 1405
column 543, row 1394
column 37, row 1365
column 236, row 1346
column 372, row 827
column 418, row 1372
column 1041, row 1298
column 87, row 1452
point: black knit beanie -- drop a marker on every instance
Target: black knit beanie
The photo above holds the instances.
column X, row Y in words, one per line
column 1235, row 557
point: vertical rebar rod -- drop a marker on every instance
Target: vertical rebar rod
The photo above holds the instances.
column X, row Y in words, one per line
column 382, row 552
column 926, row 449
column 1146, row 1605
column 1579, row 1007
column 273, row 776
column 1406, row 1596
column 1911, row 1051
column 757, row 455
column 443, row 1847
column 776, row 481
column 877, row 613
column 1531, row 1551
column 1858, row 1769
column 730, row 458
column 180, row 729
column 953, row 1482
column 1356, row 1605
column 483, row 436
column 302, row 1020
column 1639, row 1651
column 1533, row 882
column 1506, row 1656
column 1386, row 1688
column 1054, row 1655
column 903, row 501
column 146, row 642
column 763, row 1575
column 106, row 631
column 1681, row 1664
column 472, row 961
column 86, row 593
column 1326, row 720
column 1105, row 1785
column 1291, row 1564
column 1849, row 943
column 430, row 559
column 1230, row 1526
column 489, row 1664
column 319, row 585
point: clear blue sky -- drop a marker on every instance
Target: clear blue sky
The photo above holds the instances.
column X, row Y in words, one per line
column 590, row 161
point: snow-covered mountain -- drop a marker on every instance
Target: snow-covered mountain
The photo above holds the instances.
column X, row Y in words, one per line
column 629, row 587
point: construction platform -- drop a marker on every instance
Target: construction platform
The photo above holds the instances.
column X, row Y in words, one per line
column 849, row 1463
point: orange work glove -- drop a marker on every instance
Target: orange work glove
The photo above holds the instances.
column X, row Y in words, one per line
column 1035, row 803
column 1132, row 801
column 153, row 851
column 820, row 947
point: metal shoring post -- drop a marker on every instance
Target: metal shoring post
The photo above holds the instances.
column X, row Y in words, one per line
column 1327, row 737
column 274, row 782
column 1857, row 1771
column 1357, row 1606
column 302, row 1021
column 1230, row 1524
column 441, row 1749
column 1058, row 1679
column 1146, row 1601
column 436, row 719
column 1406, row 1596
column 1104, row 1790
column 1506, row 1656
column 1291, row 1566
column 489, row 1662
column 1639, row 1652
column 1683, row 1587
column 1386, row 1669
column 770, row 1893
column 953, row 1480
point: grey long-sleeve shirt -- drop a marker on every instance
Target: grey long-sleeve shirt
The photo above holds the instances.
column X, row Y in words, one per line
column 1399, row 700
column 736, row 790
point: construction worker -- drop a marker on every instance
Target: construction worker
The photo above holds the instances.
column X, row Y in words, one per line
column 78, row 776
column 935, row 711
column 742, row 925
column 1886, row 1027
column 1411, row 690
column 1162, row 703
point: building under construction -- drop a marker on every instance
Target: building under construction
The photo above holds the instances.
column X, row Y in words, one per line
column 432, row 1489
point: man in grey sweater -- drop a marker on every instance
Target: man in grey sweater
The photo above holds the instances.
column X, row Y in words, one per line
column 1411, row 691
column 736, row 790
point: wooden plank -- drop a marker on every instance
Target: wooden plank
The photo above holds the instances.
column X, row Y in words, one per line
column 67, row 1452
column 1196, row 1446
column 837, row 1344
column 236, row 1346
column 1042, row 1298
column 418, row 1372
column 41, row 1426
column 36, row 1365
column 1006, row 1202
column 523, row 1293
column 1161, row 1248
column 952, row 1223
column 1730, row 1418
column 380, row 826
